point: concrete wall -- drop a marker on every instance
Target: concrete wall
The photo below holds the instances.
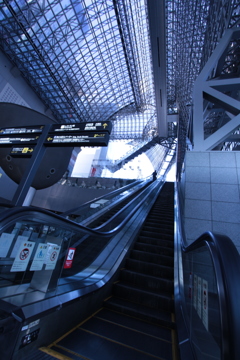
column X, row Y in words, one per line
column 14, row 89
column 212, row 188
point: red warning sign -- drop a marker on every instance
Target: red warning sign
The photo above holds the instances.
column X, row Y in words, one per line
column 69, row 258
column 24, row 254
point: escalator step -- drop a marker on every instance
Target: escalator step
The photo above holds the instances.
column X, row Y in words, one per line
column 146, row 298
column 162, row 318
column 37, row 355
column 59, row 353
column 157, row 236
column 147, row 282
column 160, row 229
column 135, row 324
column 141, row 342
column 165, row 242
column 159, row 224
column 152, row 258
column 150, row 269
column 154, row 249
column 88, row 345
column 161, row 217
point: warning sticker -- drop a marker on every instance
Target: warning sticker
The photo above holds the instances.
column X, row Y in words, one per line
column 23, row 256
column 69, row 259
column 205, row 303
column 199, row 297
column 52, row 256
column 39, row 257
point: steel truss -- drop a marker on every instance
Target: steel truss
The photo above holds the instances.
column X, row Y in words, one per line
column 217, row 102
column 194, row 30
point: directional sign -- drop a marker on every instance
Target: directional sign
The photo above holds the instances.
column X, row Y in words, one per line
column 84, row 126
column 22, row 151
column 8, row 141
column 79, row 139
column 21, row 130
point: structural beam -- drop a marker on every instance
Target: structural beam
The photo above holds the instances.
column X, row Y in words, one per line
column 157, row 25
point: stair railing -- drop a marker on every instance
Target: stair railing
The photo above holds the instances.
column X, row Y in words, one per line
column 207, row 294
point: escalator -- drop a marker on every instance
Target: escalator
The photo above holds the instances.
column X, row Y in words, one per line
column 145, row 293
column 137, row 320
column 39, row 295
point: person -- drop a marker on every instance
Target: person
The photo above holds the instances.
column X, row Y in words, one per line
column 154, row 175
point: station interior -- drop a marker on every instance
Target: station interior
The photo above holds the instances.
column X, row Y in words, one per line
column 119, row 179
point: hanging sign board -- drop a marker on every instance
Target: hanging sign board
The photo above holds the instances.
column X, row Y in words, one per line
column 79, row 139
column 21, row 130
column 39, row 257
column 8, row 141
column 77, row 134
column 23, row 256
column 69, row 259
column 84, row 126
column 22, row 151
column 52, row 256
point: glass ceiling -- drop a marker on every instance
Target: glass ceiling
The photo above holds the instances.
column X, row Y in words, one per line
column 88, row 60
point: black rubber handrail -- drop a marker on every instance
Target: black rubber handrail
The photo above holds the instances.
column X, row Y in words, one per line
column 226, row 262
column 18, row 213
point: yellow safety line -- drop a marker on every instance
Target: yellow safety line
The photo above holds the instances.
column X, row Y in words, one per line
column 72, row 352
column 174, row 341
column 124, row 345
column 135, row 330
column 54, row 353
column 70, row 331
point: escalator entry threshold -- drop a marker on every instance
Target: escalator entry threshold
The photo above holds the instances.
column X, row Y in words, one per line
column 111, row 335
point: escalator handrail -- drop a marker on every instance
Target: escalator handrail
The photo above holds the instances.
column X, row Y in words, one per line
column 124, row 208
column 226, row 262
column 18, row 212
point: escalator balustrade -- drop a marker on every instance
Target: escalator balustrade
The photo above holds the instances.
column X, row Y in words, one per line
column 137, row 321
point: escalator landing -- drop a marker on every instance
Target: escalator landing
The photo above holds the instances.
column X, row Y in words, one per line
column 111, row 335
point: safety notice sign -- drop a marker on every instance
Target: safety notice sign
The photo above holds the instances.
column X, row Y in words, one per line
column 18, row 244
column 39, row 257
column 52, row 256
column 69, row 259
column 5, row 243
column 23, row 256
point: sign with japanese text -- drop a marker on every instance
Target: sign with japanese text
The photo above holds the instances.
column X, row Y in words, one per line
column 23, row 256
column 5, row 243
column 39, row 257
column 52, row 256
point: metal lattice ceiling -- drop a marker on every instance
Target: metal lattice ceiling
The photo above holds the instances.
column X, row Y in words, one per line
column 90, row 59
column 86, row 59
